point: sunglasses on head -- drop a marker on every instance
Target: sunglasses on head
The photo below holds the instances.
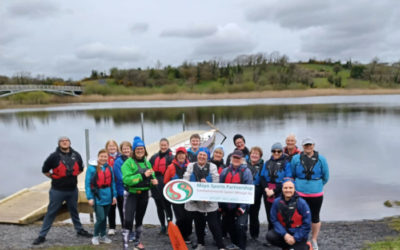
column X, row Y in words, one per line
column 276, row 151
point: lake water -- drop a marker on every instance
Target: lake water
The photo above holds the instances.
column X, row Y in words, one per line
column 359, row 136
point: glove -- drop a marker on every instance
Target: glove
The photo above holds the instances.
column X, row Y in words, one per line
column 239, row 211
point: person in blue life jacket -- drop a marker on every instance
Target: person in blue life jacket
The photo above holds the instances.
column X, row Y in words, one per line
column 234, row 215
column 271, row 177
column 194, row 147
column 291, row 149
column 126, row 150
column 138, row 177
column 160, row 161
column 255, row 164
column 311, row 172
column 291, row 219
column 101, row 194
column 63, row 167
column 204, row 211
column 240, row 144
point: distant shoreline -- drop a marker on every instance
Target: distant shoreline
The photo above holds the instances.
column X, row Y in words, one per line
column 196, row 96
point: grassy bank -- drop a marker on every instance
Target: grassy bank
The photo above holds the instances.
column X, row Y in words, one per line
column 390, row 243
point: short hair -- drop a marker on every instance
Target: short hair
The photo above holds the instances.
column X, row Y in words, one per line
column 164, row 139
column 256, row 148
column 291, row 135
column 109, row 142
column 195, row 136
column 125, row 143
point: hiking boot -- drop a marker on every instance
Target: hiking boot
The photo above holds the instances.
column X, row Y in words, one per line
column 95, row 240
column 111, row 231
column 84, row 233
column 105, row 239
column 39, row 240
column 314, row 245
column 163, row 230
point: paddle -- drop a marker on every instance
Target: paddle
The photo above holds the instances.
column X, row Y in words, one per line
column 217, row 130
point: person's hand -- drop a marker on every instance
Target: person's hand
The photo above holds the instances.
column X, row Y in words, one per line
column 148, row 172
column 269, row 192
column 154, row 182
column 203, row 180
column 91, row 202
column 114, row 201
column 289, row 239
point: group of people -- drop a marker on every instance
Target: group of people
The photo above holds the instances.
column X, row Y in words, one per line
column 290, row 183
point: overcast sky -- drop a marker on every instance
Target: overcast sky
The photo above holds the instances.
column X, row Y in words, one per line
column 70, row 38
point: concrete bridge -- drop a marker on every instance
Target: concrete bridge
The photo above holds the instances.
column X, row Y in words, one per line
column 6, row 90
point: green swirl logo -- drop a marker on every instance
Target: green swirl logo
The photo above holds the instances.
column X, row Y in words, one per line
column 178, row 191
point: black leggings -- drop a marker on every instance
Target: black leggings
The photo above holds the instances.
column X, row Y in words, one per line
column 163, row 206
column 212, row 219
column 315, row 204
column 184, row 219
column 111, row 212
column 134, row 208
column 275, row 239
column 254, row 211
column 237, row 227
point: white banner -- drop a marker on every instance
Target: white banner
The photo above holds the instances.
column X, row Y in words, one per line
column 181, row 191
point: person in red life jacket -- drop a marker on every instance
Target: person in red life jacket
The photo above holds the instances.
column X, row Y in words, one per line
column 113, row 153
column 272, row 176
column 240, row 144
column 311, row 172
column 101, row 194
column 62, row 167
column 138, row 177
column 160, row 161
column 291, row 219
column 291, row 149
column 218, row 158
column 204, row 211
column 255, row 164
column 175, row 171
column 234, row 215
column 126, row 152
column 194, row 147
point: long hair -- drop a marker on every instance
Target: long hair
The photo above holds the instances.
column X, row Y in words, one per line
column 113, row 142
column 98, row 167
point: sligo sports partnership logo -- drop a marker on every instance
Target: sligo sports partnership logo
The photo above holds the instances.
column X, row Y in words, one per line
column 178, row 191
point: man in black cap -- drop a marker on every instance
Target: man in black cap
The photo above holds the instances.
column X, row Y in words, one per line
column 240, row 144
column 62, row 167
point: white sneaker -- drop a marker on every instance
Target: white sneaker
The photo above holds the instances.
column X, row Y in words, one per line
column 111, row 232
column 105, row 239
column 314, row 245
column 200, row 247
column 95, row 240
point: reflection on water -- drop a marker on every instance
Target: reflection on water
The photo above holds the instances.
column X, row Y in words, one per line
column 359, row 140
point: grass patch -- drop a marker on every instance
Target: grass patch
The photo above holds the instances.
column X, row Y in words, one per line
column 38, row 97
column 391, row 243
column 322, row 83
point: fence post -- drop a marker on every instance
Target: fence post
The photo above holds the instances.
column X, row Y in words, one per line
column 87, row 144
column 141, row 123
column 183, row 122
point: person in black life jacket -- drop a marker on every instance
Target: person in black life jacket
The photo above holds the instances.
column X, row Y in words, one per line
column 311, row 172
column 62, row 167
column 101, row 194
column 255, row 164
column 138, row 177
column 160, row 161
column 234, row 215
column 240, row 144
column 218, row 158
column 175, row 171
column 194, row 147
column 272, row 175
column 291, row 219
column 204, row 211
column 291, row 149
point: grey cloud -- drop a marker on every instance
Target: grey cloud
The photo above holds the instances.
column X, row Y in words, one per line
column 195, row 31
column 33, row 9
column 229, row 40
column 102, row 52
column 139, row 28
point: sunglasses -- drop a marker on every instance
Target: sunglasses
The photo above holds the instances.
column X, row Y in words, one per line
column 276, row 151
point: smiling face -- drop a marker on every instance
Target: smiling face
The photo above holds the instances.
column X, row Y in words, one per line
column 288, row 190
column 195, row 143
column 164, row 145
column 236, row 161
column 202, row 158
column 102, row 158
column 308, row 148
column 255, row 156
column 112, row 148
column 276, row 153
column 181, row 157
column 239, row 143
column 126, row 150
column 218, row 155
column 139, row 152
column 290, row 142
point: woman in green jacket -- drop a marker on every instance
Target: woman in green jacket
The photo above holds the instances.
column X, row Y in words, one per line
column 138, row 177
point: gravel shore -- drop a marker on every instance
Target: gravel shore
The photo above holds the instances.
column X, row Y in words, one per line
column 334, row 235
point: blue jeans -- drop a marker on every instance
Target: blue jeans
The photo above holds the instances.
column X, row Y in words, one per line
column 101, row 219
column 56, row 199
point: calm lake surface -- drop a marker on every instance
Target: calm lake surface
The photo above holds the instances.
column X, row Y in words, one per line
column 359, row 136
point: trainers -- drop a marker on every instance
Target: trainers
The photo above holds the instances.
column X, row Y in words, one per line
column 200, row 247
column 232, row 247
column 84, row 233
column 111, row 231
column 139, row 246
column 39, row 240
column 314, row 245
column 188, row 241
column 95, row 240
column 105, row 239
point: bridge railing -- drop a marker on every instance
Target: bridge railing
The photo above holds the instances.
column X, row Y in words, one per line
column 44, row 87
